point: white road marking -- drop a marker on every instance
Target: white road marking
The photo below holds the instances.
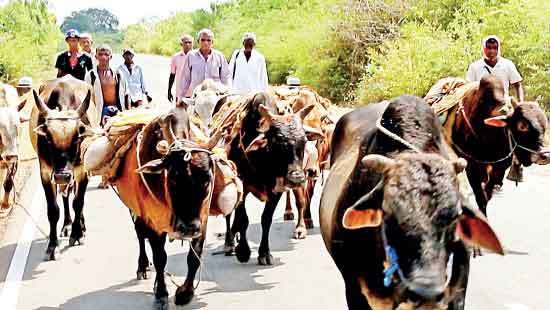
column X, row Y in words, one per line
column 10, row 291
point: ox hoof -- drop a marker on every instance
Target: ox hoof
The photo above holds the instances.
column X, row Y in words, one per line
column 142, row 275
column 66, row 230
column 161, row 303
column 229, row 250
column 289, row 216
column 477, row 252
column 300, row 232
column 265, row 260
column 309, row 223
column 4, row 206
column 242, row 251
column 73, row 241
column 183, row 296
column 52, row 253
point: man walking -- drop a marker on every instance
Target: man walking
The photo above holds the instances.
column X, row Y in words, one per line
column 110, row 89
column 492, row 63
column 133, row 75
column 72, row 61
column 247, row 67
column 176, row 66
column 203, row 63
column 86, row 45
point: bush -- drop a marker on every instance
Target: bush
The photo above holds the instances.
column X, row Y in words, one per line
column 28, row 39
column 434, row 45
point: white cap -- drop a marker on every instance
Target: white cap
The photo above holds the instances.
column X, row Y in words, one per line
column 25, row 81
column 292, row 81
column 249, row 35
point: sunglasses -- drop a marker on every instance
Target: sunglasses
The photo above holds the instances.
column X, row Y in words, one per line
column 207, row 40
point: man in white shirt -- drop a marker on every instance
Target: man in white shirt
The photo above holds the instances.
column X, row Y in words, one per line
column 176, row 65
column 247, row 67
column 493, row 63
column 133, row 75
column 86, row 45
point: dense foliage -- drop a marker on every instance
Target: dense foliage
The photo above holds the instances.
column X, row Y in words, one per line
column 28, row 39
column 91, row 20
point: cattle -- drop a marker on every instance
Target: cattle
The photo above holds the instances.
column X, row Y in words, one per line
column 9, row 140
column 170, row 189
column 391, row 213
column 204, row 100
column 488, row 136
column 268, row 148
column 59, row 122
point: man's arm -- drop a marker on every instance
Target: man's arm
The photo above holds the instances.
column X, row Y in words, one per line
column 60, row 72
column 263, row 75
column 225, row 77
column 170, row 83
column 471, row 75
column 518, row 87
column 186, row 79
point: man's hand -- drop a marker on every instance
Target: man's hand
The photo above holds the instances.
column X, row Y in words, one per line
column 170, row 98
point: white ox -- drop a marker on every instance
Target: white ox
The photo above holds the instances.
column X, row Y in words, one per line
column 9, row 140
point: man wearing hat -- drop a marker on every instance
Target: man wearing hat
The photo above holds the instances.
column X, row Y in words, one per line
column 133, row 74
column 176, row 66
column 73, row 62
column 247, row 67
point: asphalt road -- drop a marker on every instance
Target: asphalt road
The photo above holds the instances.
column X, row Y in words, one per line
column 101, row 274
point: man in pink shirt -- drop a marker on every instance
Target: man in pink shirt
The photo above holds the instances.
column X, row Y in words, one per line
column 203, row 63
column 176, row 67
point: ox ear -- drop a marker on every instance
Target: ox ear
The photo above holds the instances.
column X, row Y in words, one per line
column 378, row 163
column 85, row 131
column 474, row 229
column 497, row 121
column 258, row 143
column 356, row 219
column 313, row 134
column 459, row 165
column 41, row 130
column 305, row 111
column 153, row 167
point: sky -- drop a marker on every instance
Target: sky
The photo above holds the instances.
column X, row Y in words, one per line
column 128, row 11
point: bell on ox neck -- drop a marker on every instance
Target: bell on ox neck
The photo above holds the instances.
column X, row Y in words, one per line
column 516, row 172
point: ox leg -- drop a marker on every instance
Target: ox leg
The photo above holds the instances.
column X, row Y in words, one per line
column 459, row 279
column 8, row 185
column 240, row 225
column 289, row 216
column 229, row 246
column 185, row 293
column 354, row 297
column 301, row 204
column 476, row 179
column 53, row 217
column 159, row 260
column 264, row 254
column 67, row 220
column 77, row 234
column 309, row 196
column 143, row 260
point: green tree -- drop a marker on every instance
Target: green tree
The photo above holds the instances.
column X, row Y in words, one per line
column 91, row 20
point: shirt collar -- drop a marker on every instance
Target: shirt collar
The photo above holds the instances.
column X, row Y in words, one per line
column 78, row 54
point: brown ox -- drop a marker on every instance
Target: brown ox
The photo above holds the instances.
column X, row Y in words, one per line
column 170, row 189
column 59, row 123
column 487, row 137
column 9, row 122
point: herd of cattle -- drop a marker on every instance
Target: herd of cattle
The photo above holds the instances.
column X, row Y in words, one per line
column 393, row 212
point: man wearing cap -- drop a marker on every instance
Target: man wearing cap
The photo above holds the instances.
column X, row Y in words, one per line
column 247, row 67
column 72, row 61
column 176, row 66
column 492, row 63
column 203, row 63
column 133, row 75
column 86, row 42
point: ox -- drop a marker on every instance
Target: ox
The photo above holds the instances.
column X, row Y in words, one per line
column 59, row 123
column 391, row 212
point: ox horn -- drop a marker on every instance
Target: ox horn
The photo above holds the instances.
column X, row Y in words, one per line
column 85, row 104
column 166, row 127
column 42, row 107
column 514, row 102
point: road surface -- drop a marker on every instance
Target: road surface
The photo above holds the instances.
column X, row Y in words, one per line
column 101, row 274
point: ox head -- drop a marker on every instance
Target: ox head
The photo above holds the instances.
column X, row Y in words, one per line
column 422, row 218
column 527, row 125
column 281, row 136
column 204, row 99
column 9, row 122
column 61, row 133
column 188, row 176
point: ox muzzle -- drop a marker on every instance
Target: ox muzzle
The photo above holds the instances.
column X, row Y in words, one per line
column 186, row 231
column 62, row 177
